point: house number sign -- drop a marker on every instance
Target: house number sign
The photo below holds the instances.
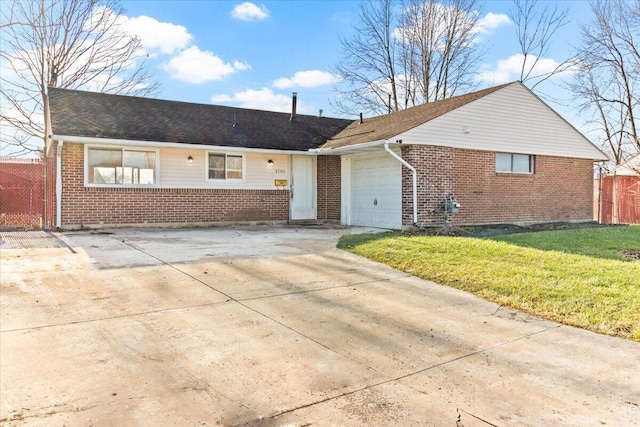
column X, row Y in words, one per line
column 281, row 171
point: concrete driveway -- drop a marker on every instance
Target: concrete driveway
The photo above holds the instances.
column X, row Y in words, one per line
column 266, row 326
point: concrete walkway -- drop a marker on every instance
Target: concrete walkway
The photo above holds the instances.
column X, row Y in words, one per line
column 268, row 326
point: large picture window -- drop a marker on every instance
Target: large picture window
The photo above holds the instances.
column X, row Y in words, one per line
column 514, row 163
column 223, row 166
column 118, row 166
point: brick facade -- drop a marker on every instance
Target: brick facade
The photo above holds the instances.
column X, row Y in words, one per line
column 561, row 189
column 90, row 206
column 329, row 188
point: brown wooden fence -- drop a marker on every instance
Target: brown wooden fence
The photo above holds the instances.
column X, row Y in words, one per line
column 21, row 193
column 619, row 203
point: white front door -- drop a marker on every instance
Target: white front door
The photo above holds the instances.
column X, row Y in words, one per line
column 303, row 195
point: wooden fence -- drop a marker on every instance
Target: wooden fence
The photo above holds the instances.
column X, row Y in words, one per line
column 619, row 200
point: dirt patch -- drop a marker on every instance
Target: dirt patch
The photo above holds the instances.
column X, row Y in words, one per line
column 630, row 254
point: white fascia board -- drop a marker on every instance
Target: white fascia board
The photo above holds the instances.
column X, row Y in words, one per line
column 353, row 148
column 408, row 140
column 160, row 144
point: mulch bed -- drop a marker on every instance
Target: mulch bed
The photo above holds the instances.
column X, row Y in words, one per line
column 497, row 229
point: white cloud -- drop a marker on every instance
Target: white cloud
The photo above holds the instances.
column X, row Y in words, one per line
column 154, row 35
column 509, row 69
column 491, row 21
column 189, row 63
column 311, row 78
column 11, row 135
column 341, row 18
column 442, row 16
column 241, row 66
column 164, row 36
column 263, row 99
column 196, row 66
column 222, row 99
column 248, row 11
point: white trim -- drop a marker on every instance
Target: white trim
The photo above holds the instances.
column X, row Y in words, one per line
column 351, row 148
column 59, row 184
column 162, row 144
column 345, row 190
column 87, row 147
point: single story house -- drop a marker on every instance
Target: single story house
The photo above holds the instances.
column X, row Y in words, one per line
column 499, row 155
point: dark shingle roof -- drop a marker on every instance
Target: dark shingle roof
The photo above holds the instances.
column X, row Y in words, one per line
column 99, row 115
column 389, row 125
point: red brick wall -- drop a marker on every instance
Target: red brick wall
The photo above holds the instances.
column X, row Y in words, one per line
column 561, row 189
column 329, row 196
column 436, row 177
column 86, row 206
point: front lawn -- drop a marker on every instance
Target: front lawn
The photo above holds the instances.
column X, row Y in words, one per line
column 577, row 277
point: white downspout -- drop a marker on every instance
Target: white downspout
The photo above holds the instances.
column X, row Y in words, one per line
column 415, row 180
column 59, row 184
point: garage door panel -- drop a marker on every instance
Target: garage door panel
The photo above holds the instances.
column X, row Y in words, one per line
column 376, row 192
column 386, row 200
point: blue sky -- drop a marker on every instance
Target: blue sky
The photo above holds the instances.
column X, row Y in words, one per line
column 254, row 54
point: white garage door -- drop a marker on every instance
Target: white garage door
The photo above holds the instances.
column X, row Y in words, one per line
column 376, row 192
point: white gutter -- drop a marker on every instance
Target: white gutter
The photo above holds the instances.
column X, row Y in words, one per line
column 415, row 180
column 161, row 144
column 350, row 148
column 59, row 183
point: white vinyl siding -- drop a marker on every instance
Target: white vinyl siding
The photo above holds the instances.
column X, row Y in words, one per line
column 510, row 120
column 176, row 172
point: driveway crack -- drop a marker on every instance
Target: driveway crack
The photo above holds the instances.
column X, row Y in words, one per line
column 401, row 377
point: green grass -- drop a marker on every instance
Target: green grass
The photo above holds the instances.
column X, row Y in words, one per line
column 576, row 277
column 604, row 242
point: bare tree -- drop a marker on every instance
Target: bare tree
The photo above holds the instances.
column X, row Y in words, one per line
column 535, row 28
column 408, row 53
column 62, row 43
column 608, row 80
column 369, row 62
column 439, row 38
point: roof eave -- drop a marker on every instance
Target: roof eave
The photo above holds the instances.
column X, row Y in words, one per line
column 352, row 148
column 164, row 144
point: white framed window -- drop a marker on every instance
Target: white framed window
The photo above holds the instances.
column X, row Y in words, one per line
column 225, row 167
column 514, row 163
column 115, row 166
